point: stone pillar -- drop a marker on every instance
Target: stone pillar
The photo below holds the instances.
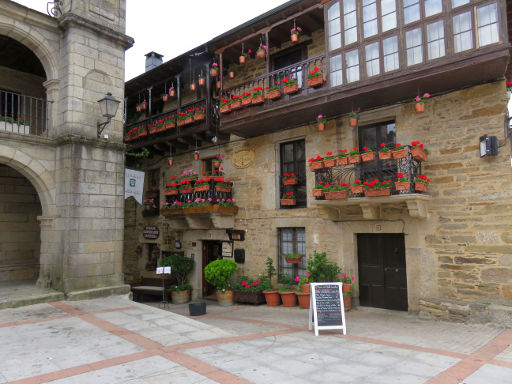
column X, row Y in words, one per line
column 52, row 97
column 50, row 259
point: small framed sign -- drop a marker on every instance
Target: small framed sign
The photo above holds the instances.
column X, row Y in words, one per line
column 227, row 249
column 236, row 234
column 151, row 232
column 326, row 310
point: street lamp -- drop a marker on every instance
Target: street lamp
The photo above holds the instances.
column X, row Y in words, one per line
column 108, row 107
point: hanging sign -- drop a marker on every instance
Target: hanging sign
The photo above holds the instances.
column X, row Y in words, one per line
column 326, row 310
column 151, row 232
column 133, row 184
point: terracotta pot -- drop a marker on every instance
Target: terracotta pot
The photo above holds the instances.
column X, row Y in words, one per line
column 199, row 117
column 291, row 89
column 165, row 97
column 272, row 298
column 400, row 154
column 231, row 74
column 289, row 299
column 214, row 72
column 180, row 297
column 246, row 101
column 304, row 299
column 347, row 302
column 274, row 95
column 260, row 53
column 218, row 84
column 202, row 82
column 316, row 82
column 402, row 185
column 419, row 154
column 353, row 122
column 419, row 107
column 225, row 109
column 144, row 106
column 320, row 127
column 202, row 188
column 288, row 202
column 368, row 156
column 222, row 189
column 316, row 165
column 225, row 298
column 347, row 287
column 290, row 181
column 306, row 288
column 293, row 260
column 172, row 93
column 420, row 187
column 342, row 160
column 236, row 105
column 241, row 59
column 189, row 120
column 172, row 192
column 317, row 192
column 377, row 192
column 138, row 108
column 356, row 189
column 354, row 159
column 216, row 163
column 385, row 155
column 196, row 156
column 335, row 195
column 329, row 163
column 258, row 100
column 294, row 37
column 193, row 86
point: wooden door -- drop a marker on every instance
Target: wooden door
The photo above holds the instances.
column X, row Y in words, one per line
column 382, row 271
column 212, row 250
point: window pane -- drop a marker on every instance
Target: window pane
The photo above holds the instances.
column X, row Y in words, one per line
column 350, row 21
column 435, row 38
column 372, row 59
column 336, row 71
column 388, row 22
column 335, row 41
column 462, row 33
column 457, row 3
column 336, row 78
column 411, row 11
column 352, row 63
column 370, row 27
column 350, row 36
column 388, row 6
column 334, row 27
column 335, row 63
column 413, row 43
column 433, row 7
column 390, row 48
column 487, row 24
column 349, row 6
column 333, row 12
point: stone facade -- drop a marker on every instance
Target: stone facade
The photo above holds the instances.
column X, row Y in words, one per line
column 79, row 179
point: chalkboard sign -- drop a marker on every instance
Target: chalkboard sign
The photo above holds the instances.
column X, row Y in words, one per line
column 327, row 310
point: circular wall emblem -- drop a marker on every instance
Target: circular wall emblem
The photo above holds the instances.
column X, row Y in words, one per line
column 243, row 158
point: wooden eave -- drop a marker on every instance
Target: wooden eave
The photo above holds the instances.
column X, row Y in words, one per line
column 451, row 73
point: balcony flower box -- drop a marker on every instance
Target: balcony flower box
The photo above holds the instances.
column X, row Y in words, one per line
column 274, row 95
column 419, row 154
column 290, row 181
column 342, row 160
column 202, row 188
column 385, row 155
column 247, row 101
column 314, row 165
column 316, row 82
column 236, row 104
column 222, row 189
column 291, row 89
column 400, row 154
column 356, row 189
column 367, row 157
column 402, row 185
column 171, row 192
column 354, row 159
column 317, row 192
column 420, row 187
column 288, row 201
column 329, row 160
column 334, row 195
column 225, row 108
column 199, row 117
column 184, row 191
column 256, row 100
column 377, row 192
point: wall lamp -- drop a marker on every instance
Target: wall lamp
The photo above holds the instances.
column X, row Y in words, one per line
column 108, row 107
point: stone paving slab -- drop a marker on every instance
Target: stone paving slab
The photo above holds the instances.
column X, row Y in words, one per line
column 32, row 312
column 20, row 293
column 490, row 374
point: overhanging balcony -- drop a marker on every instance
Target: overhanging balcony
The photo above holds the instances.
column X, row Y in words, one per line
column 23, row 115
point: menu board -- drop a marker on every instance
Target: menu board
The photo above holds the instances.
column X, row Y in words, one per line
column 327, row 310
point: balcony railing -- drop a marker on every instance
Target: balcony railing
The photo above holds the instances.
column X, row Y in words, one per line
column 298, row 71
column 22, row 114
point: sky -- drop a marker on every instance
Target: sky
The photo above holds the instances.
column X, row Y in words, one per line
column 173, row 27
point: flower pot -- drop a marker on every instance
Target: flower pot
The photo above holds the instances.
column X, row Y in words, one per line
column 202, row 82
column 144, row 106
column 184, row 191
column 199, row 117
column 316, row 165
column 290, row 181
column 165, row 97
column 172, row 93
column 193, row 86
column 272, row 298
column 367, row 157
column 306, row 288
column 304, row 299
column 197, row 309
column 196, row 156
column 347, row 287
column 222, row 189
column 289, row 299
column 420, row 187
column 214, row 72
column 385, row 155
column 320, row 127
column 202, row 188
column 402, row 185
column 293, row 260
column 260, row 99
column 334, row 195
column 316, row 82
column 241, row 59
column 172, row 192
column 353, row 121
column 236, row 105
column 288, row 201
column 273, row 95
column 225, row 109
column 419, row 107
column 189, row 120
column 294, row 37
column 231, row 74
column 216, row 164
column 342, row 160
column 356, row 189
column 249, row 297
column 400, row 154
column 419, row 154
column 180, row 297
column 138, row 108
column 347, row 302
column 246, row 101
column 291, row 89
column 217, row 84
column 354, row 159
column 377, row 192
column 329, row 163
column 225, row 298
column 147, row 207
column 260, row 53
column 317, row 192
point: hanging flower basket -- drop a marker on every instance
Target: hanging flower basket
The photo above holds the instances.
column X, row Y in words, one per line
column 288, row 201
column 274, row 95
column 241, row 59
column 354, row 159
column 294, row 37
column 317, row 192
column 316, row 82
column 260, row 99
column 316, row 165
column 218, row 84
column 356, row 189
column 335, row 195
column 377, row 192
column 420, row 187
column 202, row 81
column 353, row 122
column 320, row 127
column 172, row 93
column 165, row 97
column 260, row 53
column 419, row 107
column 402, row 185
column 236, row 105
column 196, row 156
column 400, row 154
column 419, row 154
column 291, row 89
column 214, row 71
column 367, row 156
column 193, row 86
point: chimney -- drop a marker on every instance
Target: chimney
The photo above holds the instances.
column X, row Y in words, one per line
column 153, row 60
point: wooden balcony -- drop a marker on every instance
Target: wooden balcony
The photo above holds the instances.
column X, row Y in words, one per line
column 208, row 217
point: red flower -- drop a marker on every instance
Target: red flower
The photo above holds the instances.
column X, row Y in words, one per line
column 167, row 185
column 285, row 80
column 319, row 157
column 421, row 146
column 400, row 175
column 329, row 153
column 382, row 145
column 398, row 145
column 315, row 69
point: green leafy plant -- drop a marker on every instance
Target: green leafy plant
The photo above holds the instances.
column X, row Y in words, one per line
column 289, row 80
column 422, row 179
column 383, row 148
column 219, row 273
column 421, row 99
column 181, row 267
column 354, row 152
column 342, row 153
column 354, row 114
column 321, row 270
column 398, row 147
column 367, row 150
column 321, row 119
column 329, row 156
column 377, row 184
column 247, row 284
column 270, row 270
column 288, row 283
column 341, row 186
column 417, row 144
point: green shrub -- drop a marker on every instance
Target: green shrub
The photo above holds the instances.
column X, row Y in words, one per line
column 181, row 266
column 321, row 270
column 219, row 273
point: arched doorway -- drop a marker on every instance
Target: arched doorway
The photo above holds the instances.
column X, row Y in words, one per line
column 20, row 234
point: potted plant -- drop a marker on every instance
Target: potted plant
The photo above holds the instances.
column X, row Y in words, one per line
column 236, row 102
column 303, row 296
column 384, row 152
column 419, row 103
column 357, row 187
column 367, row 155
column 165, row 97
column 293, row 258
column 181, row 267
column 353, row 117
column 172, row 91
column 342, row 158
column 196, row 154
column 193, row 86
column 291, row 85
column 223, row 186
column 329, row 160
column 243, row 56
column 171, row 189
column 421, row 183
column 225, row 105
column 315, row 78
column 288, row 198
column 273, row 92
column 189, row 175
column 214, row 70
column 354, row 156
column 377, row 188
column 201, row 80
column 185, row 187
column 400, row 151
column 402, row 182
column 218, row 160
column 248, row 290
column 149, row 204
column 287, row 291
column 321, row 270
column 271, row 295
column 318, row 191
column 231, row 74
column 246, row 99
column 290, row 179
column 316, row 163
column 202, row 185
column 261, row 52
column 294, row 34
column 219, row 274
column 320, row 122
column 257, row 96
column 144, row 105
column 199, row 114
column 347, row 290
column 418, row 151
column 336, row 190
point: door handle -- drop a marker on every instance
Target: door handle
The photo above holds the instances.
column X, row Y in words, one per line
column 396, row 270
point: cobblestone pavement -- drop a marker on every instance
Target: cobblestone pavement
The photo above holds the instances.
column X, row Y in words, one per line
column 114, row 340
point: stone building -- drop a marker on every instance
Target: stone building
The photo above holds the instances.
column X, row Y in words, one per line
column 445, row 253
column 61, row 186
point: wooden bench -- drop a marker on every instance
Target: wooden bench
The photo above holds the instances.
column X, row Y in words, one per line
column 149, row 286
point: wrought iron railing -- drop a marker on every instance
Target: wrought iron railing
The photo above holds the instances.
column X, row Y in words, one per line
column 22, row 114
column 298, row 71
column 382, row 170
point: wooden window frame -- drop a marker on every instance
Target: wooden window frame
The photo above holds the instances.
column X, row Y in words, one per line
column 301, row 174
column 298, row 269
